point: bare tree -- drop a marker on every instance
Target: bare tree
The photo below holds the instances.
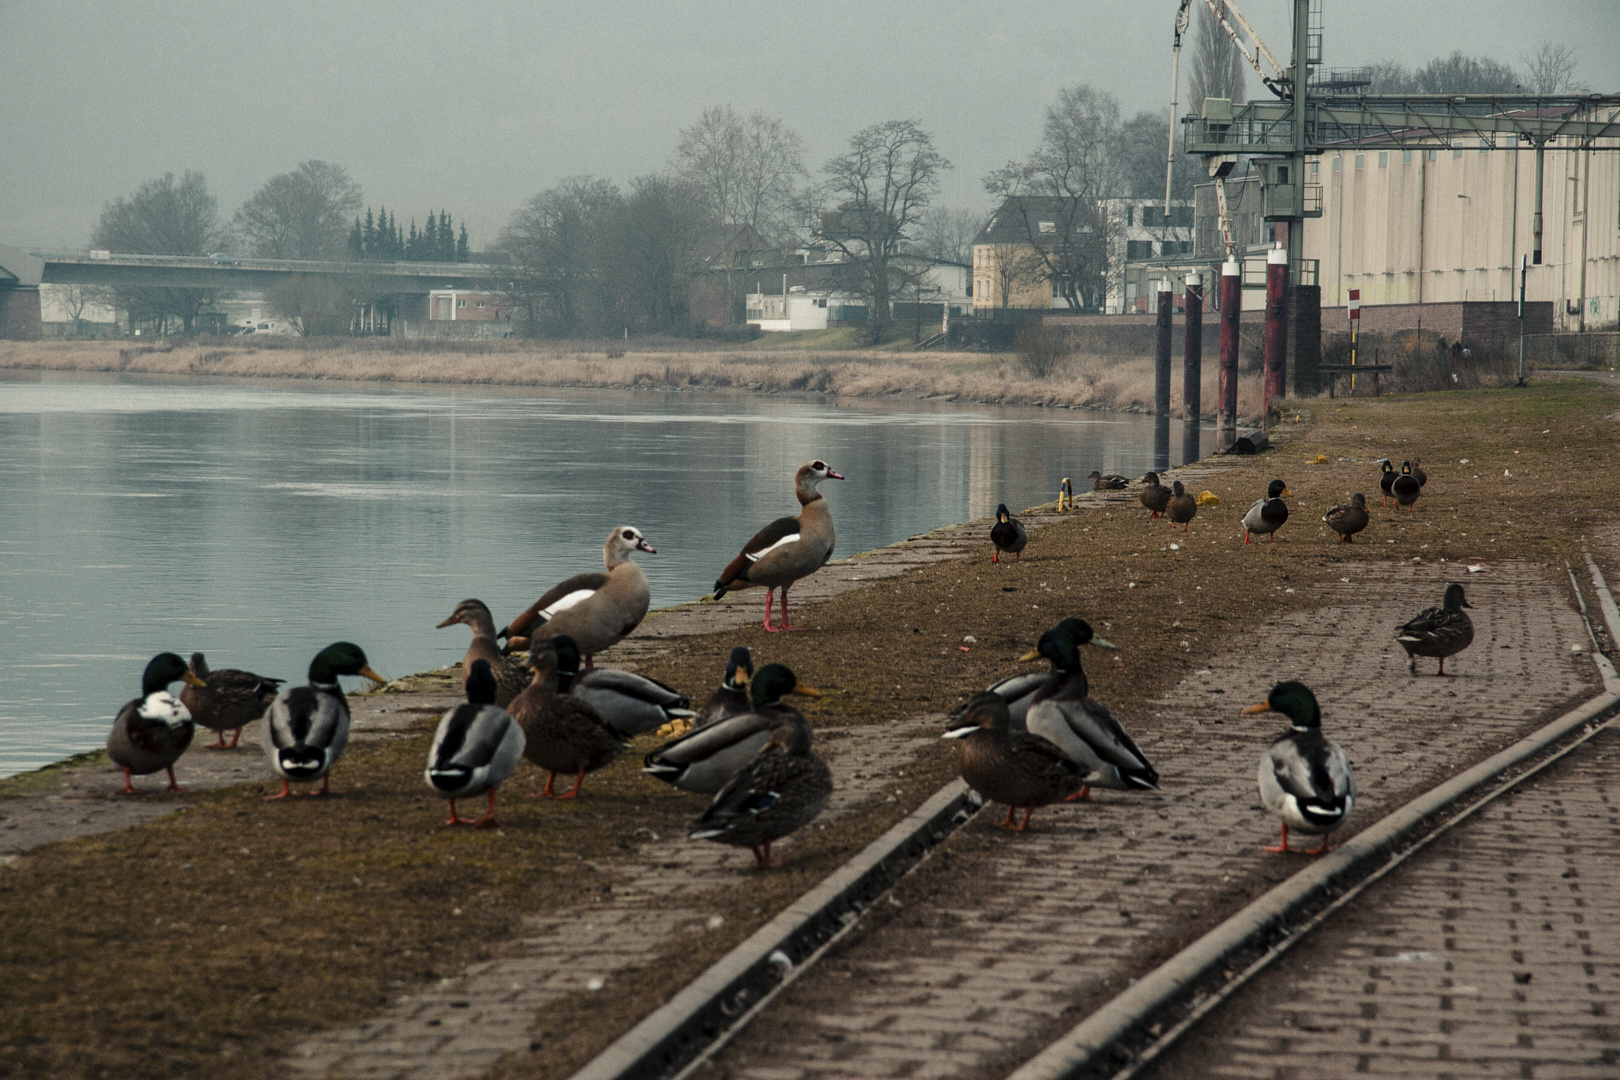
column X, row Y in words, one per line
column 946, row 233
column 74, row 299
column 163, row 217
column 885, row 183
column 553, row 253
column 1217, row 64
column 1454, row 74
column 1012, row 267
column 303, row 214
column 655, row 253
column 1551, row 70
column 316, row 304
column 1142, row 140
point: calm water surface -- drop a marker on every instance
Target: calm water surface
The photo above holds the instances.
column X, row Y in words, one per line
column 259, row 521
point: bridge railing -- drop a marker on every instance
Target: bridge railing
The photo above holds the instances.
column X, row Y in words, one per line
column 308, row 266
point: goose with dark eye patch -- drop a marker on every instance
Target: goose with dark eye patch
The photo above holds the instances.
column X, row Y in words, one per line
column 510, row 675
column 788, row 549
column 476, row 747
column 564, row 735
column 1269, row 514
column 704, row 759
column 1438, row 631
column 1022, row 770
column 227, row 699
column 1305, row 779
column 777, row 793
column 307, row 727
column 596, row 610
column 1007, row 535
column 151, row 732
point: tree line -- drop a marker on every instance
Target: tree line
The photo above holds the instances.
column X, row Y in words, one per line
column 380, row 239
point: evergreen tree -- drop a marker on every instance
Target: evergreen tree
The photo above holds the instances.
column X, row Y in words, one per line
column 447, row 238
column 429, row 248
column 357, row 240
column 370, row 238
column 396, row 242
column 463, row 248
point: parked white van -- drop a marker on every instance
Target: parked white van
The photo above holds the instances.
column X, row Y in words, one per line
column 261, row 327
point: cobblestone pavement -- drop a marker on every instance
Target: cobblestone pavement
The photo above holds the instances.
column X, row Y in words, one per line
column 937, row 992
column 1496, row 952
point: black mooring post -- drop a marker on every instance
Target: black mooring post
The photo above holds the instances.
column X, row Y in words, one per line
column 1161, row 366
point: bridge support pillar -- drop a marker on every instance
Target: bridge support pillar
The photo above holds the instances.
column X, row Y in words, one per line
column 19, row 314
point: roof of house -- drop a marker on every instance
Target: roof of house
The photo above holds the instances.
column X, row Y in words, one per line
column 1021, row 219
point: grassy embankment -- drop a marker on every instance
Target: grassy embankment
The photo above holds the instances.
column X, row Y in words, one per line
column 206, row 944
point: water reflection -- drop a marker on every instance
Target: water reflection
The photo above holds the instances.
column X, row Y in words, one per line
column 260, row 521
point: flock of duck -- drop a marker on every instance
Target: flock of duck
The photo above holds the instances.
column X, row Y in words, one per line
column 1030, row 740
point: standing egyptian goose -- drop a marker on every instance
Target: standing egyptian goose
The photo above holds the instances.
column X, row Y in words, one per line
column 306, row 728
column 152, row 731
column 227, row 699
column 788, row 548
column 1011, row 767
column 1269, row 514
column 1349, row 518
column 1182, row 507
column 510, row 675
column 596, row 610
column 1405, row 488
column 1007, row 534
column 1154, row 495
column 477, row 746
column 1305, row 779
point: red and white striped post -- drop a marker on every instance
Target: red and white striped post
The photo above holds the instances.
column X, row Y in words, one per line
column 1231, row 314
column 1276, row 330
column 1355, row 325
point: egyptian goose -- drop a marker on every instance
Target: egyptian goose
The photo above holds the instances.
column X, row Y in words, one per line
column 1349, row 518
column 510, row 675
column 563, row 735
column 476, row 747
column 151, row 732
column 596, row 610
column 1438, row 631
column 1269, row 514
column 307, row 727
column 1154, row 495
column 227, row 699
column 779, row 792
column 705, row 758
column 788, row 548
column 1182, row 507
column 1305, row 779
column 1007, row 535
column 1011, row 767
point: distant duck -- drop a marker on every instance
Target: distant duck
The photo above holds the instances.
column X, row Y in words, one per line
column 779, row 792
column 596, row 610
column 1154, row 495
column 1418, row 474
column 1438, row 631
column 731, row 699
column 307, row 727
column 1405, row 488
column 151, row 732
column 706, row 757
column 789, row 548
column 1064, row 714
column 1065, row 496
column 1386, row 478
column 1349, row 518
column 628, row 703
column 510, row 675
column 1007, row 534
column 1182, row 507
column 1111, row 482
column 227, row 699
column 1019, row 690
column 1305, row 779
column 477, row 746
column 1269, row 514
column 1012, row 767
column 563, row 734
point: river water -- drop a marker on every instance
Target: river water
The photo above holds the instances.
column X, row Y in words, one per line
column 259, row 521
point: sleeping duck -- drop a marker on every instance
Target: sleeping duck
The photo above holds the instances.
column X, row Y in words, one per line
column 703, row 759
column 596, row 610
column 789, row 548
column 1111, row 482
column 628, row 703
column 307, row 727
column 227, row 700
column 1007, row 535
column 1305, row 779
column 562, row 733
column 151, row 732
column 1012, row 767
column 510, row 675
column 1438, row 631
column 476, row 747
column 1349, row 518
column 777, row 793
column 1269, row 514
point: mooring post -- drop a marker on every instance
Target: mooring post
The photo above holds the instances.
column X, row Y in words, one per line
column 1276, row 331
column 1192, row 353
column 1231, row 313
column 1161, row 366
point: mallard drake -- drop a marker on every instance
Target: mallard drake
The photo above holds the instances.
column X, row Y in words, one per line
column 226, row 699
column 705, row 758
column 1063, row 713
column 777, row 793
column 1438, row 631
column 1418, row 474
column 1305, row 779
column 1111, row 482
column 510, row 675
column 787, row 549
column 564, row 734
column 307, row 727
column 732, row 699
column 152, row 731
column 1405, row 488
column 596, row 610
column 1349, row 518
column 1154, row 495
column 1269, row 514
column 1019, row 690
column 628, row 703
column 1182, row 507
column 1386, row 477
column 1011, row 767
column 1007, row 534
column 476, row 747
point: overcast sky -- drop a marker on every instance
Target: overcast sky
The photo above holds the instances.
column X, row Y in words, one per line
column 477, row 107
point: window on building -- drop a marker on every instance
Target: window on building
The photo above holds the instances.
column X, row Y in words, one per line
column 1433, row 155
column 1361, row 161
column 1406, row 157
column 1383, row 159
column 1456, row 151
column 1055, row 292
column 1335, row 164
column 1138, row 249
column 461, row 303
column 1047, row 227
column 1313, row 168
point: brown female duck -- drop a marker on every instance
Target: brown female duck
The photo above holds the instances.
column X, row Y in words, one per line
column 511, row 675
column 562, row 734
column 1438, row 631
column 779, row 792
column 1154, row 495
column 1011, row 767
column 1349, row 518
column 226, row 699
column 1182, row 507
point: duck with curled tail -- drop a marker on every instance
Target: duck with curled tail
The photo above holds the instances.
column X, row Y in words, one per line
column 1269, row 514
column 1305, row 779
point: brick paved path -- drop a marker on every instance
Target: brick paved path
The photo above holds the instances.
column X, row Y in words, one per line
column 1496, row 952
column 944, row 991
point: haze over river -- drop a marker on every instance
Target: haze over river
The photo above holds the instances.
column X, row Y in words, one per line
column 259, row 521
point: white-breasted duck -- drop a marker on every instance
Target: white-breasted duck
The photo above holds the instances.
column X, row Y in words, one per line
column 564, row 735
column 704, row 759
column 151, row 732
column 1013, row 767
column 307, row 727
column 1269, row 514
column 1007, row 535
column 511, row 675
column 1349, row 518
column 779, row 792
column 1438, row 631
column 476, row 747
column 596, row 610
column 1305, row 779
column 1405, row 488
column 227, row 700
column 788, row 549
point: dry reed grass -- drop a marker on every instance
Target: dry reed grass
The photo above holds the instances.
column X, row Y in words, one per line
column 1081, row 381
